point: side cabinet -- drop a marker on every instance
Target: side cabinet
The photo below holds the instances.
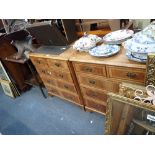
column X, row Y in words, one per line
column 58, row 77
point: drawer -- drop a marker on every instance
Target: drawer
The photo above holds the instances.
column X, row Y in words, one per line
column 53, row 91
column 58, row 64
column 131, row 74
column 97, row 106
column 98, row 82
column 65, row 76
column 66, row 86
column 39, row 61
column 70, row 97
column 94, row 94
column 49, row 82
column 90, row 68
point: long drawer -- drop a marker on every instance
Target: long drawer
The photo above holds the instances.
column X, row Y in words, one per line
column 97, row 106
column 90, row 69
column 130, row 74
column 94, row 94
column 98, row 82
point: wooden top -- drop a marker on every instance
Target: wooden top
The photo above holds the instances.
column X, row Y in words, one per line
column 119, row 59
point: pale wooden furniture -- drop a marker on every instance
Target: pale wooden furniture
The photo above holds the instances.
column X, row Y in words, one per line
column 86, row 80
column 99, row 76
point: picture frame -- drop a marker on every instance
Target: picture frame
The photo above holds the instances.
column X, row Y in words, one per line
column 125, row 116
column 7, row 88
column 150, row 69
column 3, row 73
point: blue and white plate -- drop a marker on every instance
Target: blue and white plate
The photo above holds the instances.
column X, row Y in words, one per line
column 104, row 50
column 133, row 58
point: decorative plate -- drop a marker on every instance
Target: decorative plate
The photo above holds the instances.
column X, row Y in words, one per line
column 142, row 56
column 131, row 57
column 86, row 42
column 138, row 47
column 118, row 35
column 104, row 50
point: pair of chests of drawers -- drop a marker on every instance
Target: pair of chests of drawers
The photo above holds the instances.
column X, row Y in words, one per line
column 56, row 77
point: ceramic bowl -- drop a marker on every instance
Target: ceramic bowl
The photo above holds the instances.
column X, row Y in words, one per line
column 104, row 50
column 118, row 36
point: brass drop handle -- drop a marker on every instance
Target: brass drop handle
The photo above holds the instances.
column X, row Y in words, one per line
column 49, row 73
column 38, row 61
column 131, row 75
column 43, row 71
column 60, row 75
column 88, row 69
column 57, row 64
column 92, row 81
column 66, row 86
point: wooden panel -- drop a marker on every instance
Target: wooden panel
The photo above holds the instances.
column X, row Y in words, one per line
column 90, row 68
column 97, row 106
column 66, row 86
column 71, row 97
column 99, row 83
column 60, row 75
column 131, row 74
column 94, row 94
column 58, row 64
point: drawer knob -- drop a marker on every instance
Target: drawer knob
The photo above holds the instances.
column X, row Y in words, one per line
column 60, row 75
column 57, row 64
column 92, row 81
column 88, row 69
column 66, row 86
column 131, row 75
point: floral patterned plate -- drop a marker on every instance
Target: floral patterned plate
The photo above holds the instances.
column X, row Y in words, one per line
column 104, row 50
column 118, row 36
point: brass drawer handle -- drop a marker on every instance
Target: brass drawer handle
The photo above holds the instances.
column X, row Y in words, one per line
column 38, row 61
column 92, row 81
column 131, row 75
column 88, row 69
column 61, row 75
column 43, row 71
column 57, row 64
column 49, row 73
column 66, row 86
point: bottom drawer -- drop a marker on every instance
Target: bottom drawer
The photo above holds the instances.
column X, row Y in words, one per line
column 100, row 107
column 70, row 97
column 54, row 91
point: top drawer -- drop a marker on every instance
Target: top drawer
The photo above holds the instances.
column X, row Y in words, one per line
column 58, row 64
column 90, row 68
column 131, row 74
column 39, row 62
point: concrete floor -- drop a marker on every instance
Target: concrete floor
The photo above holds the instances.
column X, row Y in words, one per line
column 31, row 114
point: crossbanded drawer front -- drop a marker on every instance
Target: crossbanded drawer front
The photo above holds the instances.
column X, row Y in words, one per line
column 58, row 64
column 94, row 94
column 99, row 83
column 90, row 69
column 66, row 86
column 95, row 105
column 130, row 74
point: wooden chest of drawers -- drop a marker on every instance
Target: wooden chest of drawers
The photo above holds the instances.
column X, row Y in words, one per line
column 56, row 75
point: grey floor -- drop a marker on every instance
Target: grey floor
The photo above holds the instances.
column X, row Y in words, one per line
column 31, row 114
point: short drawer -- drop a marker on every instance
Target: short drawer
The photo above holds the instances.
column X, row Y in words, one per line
column 70, row 97
column 66, row 86
column 98, row 82
column 131, row 74
column 58, row 64
column 49, row 81
column 97, row 106
column 53, row 91
column 37, row 61
column 65, row 76
column 90, row 68
column 94, row 94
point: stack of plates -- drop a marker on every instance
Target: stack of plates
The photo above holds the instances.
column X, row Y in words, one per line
column 104, row 50
column 140, row 45
column 86, row 42
column 117, row 37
